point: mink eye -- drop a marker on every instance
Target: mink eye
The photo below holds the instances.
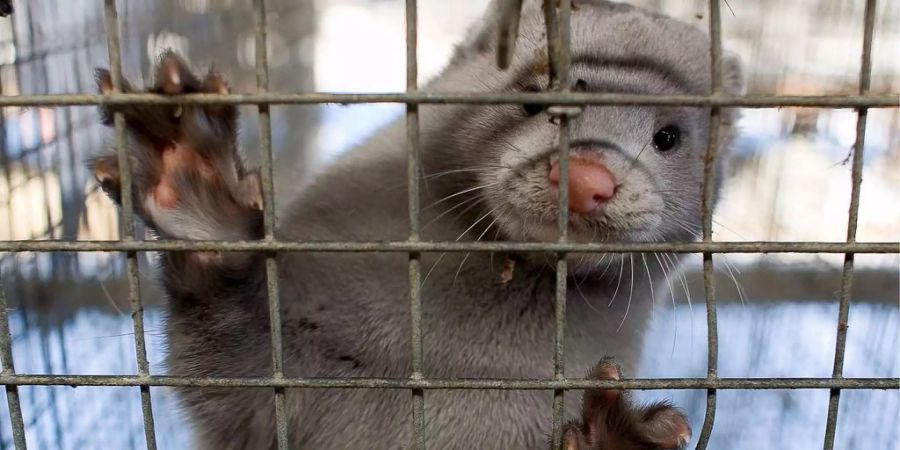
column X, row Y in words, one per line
column 533, row 109
column 667, row 138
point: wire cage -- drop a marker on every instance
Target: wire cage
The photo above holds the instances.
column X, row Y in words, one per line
column 563, row 103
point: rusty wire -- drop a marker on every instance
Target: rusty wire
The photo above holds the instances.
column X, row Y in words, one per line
column 481, row 98
column 865, row 81
column 558, row 28
column 127, row 212
column 439, row 383
column 415, row 260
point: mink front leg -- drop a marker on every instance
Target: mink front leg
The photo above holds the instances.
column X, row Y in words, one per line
column 189, row 181
column 611, row 421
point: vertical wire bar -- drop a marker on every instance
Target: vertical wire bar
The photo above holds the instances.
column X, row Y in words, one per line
column 111, row 17
column 865, row 81
column 12, row 391
column 510, row 13
column 268, row 186
column 8, row 367
column 709, row 162
column 412, row 174
column 558, row 42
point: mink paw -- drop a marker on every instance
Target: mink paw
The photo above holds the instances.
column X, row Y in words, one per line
column 610, row 420
column 189, row 181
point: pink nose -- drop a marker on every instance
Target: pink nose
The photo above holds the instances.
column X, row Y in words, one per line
column 590, row 184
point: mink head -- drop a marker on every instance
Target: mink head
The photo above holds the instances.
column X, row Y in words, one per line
column 635, row 173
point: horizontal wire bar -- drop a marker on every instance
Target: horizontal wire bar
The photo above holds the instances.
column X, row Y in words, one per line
column 440, row 383
column 418, row 246
column 540, row 98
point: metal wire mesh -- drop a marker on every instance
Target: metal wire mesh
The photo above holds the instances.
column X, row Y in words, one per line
column 557, row 18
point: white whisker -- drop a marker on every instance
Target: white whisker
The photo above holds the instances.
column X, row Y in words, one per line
column 621, row 268
column 674, row 306
column 450, row 210
column 687, row 292
column 455, row 276
column 630, row 292
column 737, row 285
column 464, row 191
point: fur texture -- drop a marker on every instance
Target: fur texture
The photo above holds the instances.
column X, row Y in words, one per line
column 485, row 178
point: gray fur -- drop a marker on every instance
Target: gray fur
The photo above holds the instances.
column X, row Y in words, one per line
column 348, row 314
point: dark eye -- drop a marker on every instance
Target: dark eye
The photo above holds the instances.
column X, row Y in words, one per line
column 666, row 138
column 533, row 109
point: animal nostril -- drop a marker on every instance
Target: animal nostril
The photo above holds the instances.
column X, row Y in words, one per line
column 604, row 194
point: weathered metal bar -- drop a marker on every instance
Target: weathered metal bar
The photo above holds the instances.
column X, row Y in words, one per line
column 111, row 18
column 12, row 391
column 510, row 14
column 420, row 246
column 558, row 21
column 268, row 191
column 415, row 262
column 706, row 205
column 865, row 81
column 539, row 98
column 475, row 383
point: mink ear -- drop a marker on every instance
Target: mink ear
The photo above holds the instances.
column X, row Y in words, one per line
column 732, row 74
column 482, row 37
column 665, row 426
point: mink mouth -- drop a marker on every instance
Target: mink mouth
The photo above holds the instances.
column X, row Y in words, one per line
column 587, row 233
column 530, row 202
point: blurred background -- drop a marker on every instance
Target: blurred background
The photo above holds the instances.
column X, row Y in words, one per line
column 69, row 313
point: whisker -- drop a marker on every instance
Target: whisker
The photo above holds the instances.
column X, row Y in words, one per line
column 608, row 263
column 672, row 297
column 476, row 199
column 484, row 216
column 635, row 160
column 465, row 170
column 737, row 285
column 428, row 176
column 687, row 292
column 650, row 282
column 464, row 191
column 455, row 276
column 621, row 268
column 584, row 255
column 630, row 292
column 730, row 230
column 440, row 257
column 583, row 297
column 109, row 298
column 685, row 227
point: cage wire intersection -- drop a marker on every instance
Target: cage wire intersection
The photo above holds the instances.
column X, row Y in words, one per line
column 565, row 105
